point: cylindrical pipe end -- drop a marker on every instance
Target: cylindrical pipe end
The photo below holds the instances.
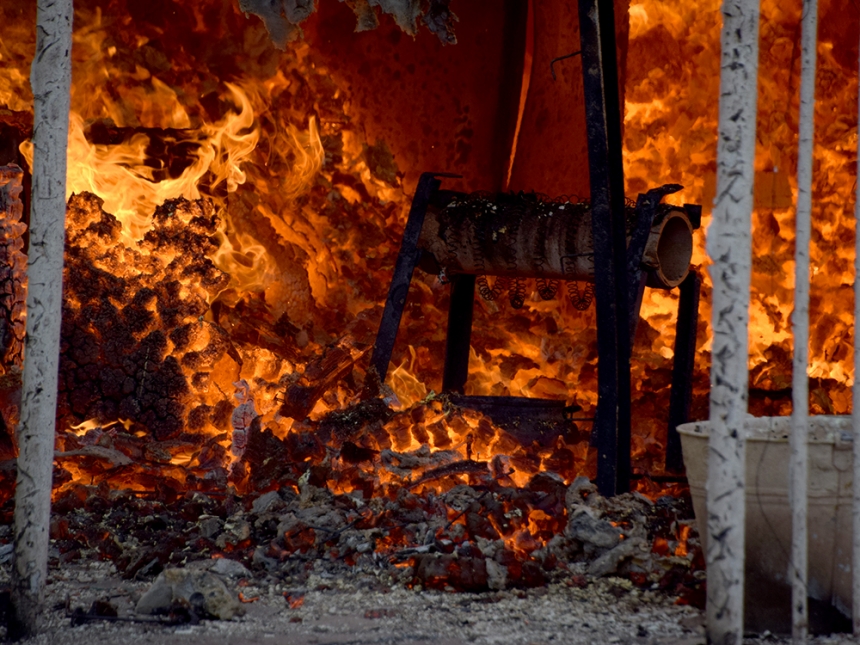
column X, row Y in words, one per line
column 669, row 250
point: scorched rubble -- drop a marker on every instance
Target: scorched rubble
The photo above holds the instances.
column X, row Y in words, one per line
column 468, row 538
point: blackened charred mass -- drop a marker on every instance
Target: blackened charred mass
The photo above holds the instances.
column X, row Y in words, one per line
column 182, row 336
column 198, row 417
column 131, row 315
column 221, row 414
column 138, row 314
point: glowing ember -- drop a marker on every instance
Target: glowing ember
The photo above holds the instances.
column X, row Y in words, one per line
column 681, row 549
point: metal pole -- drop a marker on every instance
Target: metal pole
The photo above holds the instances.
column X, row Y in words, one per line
column 681, row 396
column 730, row 248
column 799, row 464
column 606, row 174
column 459, row 336
column 407, row 259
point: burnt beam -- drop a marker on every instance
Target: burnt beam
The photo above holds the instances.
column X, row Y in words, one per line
column 407, row 260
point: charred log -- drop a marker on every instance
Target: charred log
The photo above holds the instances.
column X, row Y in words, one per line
column 526, row 236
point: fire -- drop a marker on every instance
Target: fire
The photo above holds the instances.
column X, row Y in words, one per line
column 122, row 118
column 241, row 227
column 670, row 132
column 681, row 549
column 124, row 177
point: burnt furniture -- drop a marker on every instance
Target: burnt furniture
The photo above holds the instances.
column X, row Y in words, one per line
column 463, row 237
column 618, row 275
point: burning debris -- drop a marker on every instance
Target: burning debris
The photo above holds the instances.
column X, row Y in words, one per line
column 201, row 593
column 12, row 270
column 297, row 194
column 461, row 536
column 214, row 346
column 228, row 249
column 13, row 296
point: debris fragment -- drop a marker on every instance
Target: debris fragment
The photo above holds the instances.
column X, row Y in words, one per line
column 608, row 562
column 242, row 418
column 194, row 588
column 272, row 13
column 282, row 17
column 440, row 20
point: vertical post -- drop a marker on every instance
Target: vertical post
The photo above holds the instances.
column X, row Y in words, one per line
column 50, row 77
column 606, row 174
column 729, row 246
column 681, row 396
column 799, row 465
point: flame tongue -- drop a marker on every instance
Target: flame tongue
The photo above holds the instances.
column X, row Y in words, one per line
column 124, row 174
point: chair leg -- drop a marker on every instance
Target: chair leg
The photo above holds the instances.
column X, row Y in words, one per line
column 459, row 334
column 682, row 370
column 407, row 260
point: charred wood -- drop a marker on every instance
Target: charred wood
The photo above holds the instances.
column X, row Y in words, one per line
column 348, row 426
column 465, row 467
column 528, row 236
column 320, row 375
column 248, row 322
column 13, row 263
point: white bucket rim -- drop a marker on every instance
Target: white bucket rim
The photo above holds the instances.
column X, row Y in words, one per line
column 824, row 429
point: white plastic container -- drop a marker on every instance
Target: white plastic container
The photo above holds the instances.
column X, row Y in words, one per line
column 768, row 520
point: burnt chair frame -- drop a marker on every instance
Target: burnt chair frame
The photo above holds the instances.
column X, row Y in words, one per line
column 460, row 322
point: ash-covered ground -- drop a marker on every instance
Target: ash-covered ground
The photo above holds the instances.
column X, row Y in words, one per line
column 309, row 566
